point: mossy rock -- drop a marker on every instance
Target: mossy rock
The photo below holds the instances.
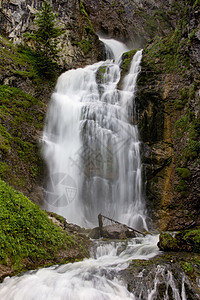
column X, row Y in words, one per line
column 127, row 58
column 167, row 242
column 186, row 240
column 189, row 240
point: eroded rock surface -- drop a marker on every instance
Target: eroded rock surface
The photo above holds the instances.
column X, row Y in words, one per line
column 80, row 44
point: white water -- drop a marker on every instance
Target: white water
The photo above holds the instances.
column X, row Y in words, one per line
column 91, row 149
column 92, row 279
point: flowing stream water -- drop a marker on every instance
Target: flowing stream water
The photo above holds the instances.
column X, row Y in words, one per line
column 92, row 151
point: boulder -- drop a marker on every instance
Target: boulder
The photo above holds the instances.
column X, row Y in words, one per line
column 117, row 231
column 167, row 242
column 94, row 233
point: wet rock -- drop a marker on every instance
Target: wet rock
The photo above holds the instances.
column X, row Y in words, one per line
column 172, row 275
column 117, row 231
column 134, row 20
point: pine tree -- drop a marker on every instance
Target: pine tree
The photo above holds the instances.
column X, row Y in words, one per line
column 46, row 35
column 46, row 40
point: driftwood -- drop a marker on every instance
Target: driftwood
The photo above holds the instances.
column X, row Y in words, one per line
column 100, row 217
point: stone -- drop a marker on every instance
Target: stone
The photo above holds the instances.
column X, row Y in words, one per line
column 94, row 233
column 117, row 231
column 167, row 242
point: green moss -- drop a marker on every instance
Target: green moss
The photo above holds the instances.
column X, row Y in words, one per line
column 196, row 3
column 5, row 170
column 88, row 28
column 194, row 130
column 5, row 138
column 168, row 52
column 100, row 75
column 127, row 58
column 190, row 239
column 184, row 173
column 20, row 61
column 167, row 242
column 181, row 126
column 86, row 46
column 26, row 231
column 181, row 186
column 186, row 240
column 19, row 112
column 113, row 3
column 188, row 268
column 192, row 150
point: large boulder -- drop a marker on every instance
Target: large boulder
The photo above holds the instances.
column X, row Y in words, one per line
column 117, row 231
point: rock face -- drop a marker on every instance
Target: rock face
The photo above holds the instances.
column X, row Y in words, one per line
column 80, row 45
column 131, row 21
column 168, row 109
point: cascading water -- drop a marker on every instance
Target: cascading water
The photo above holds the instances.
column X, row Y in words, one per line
column 91, row 149
column 93, row 156
column 95, row 278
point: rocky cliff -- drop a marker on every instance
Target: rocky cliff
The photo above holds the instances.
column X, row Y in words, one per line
column 79, row 43
column 168, row 105
column 133, row 22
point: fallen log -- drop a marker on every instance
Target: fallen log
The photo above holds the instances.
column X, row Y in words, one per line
column 100, row 216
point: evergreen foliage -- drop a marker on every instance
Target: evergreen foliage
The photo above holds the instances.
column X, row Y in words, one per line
column 46, row 40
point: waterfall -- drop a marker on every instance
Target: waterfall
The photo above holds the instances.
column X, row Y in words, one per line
column 91, row 149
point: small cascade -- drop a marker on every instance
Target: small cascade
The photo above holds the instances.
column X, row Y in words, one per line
column 91, row 148
column 94, row 278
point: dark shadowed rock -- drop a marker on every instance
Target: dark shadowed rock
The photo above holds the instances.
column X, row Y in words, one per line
column 94, row 233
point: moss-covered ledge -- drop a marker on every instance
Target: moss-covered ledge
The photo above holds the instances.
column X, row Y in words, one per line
column 186, row 240
column 29, row 240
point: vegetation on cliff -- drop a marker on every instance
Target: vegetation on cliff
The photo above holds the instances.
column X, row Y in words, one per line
column 45, row 41
column 168, row 109
column 28, row 238
column 22, row 112
column 186, row 240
